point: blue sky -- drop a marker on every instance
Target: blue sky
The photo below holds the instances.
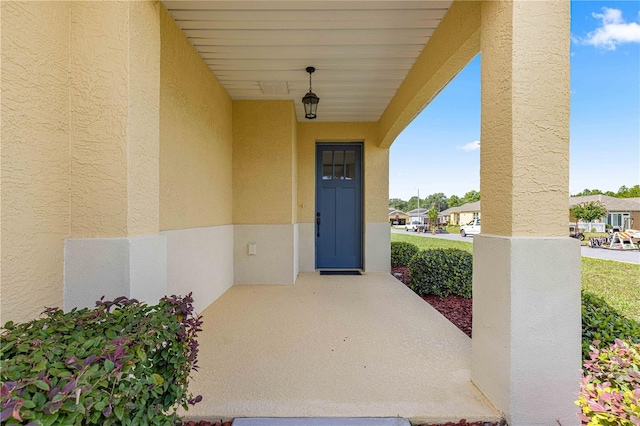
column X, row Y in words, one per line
column 438, row 151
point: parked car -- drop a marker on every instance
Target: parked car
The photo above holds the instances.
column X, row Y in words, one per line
column 470, row 228
column 413, row 226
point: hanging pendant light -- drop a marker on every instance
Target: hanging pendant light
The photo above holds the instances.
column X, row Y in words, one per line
column 310, row 100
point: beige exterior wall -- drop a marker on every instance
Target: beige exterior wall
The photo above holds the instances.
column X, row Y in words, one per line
column 263, row 162
column 525, row 138
column 35, row 156
column 80, row 130
column 99, row 87
column 375, row 165
column 143, row 136
column 115, row 78
column 454, row 43
column 195, row 137
column 294, row 167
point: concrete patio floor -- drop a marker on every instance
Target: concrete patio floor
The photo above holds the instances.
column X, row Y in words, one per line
column 333, row 346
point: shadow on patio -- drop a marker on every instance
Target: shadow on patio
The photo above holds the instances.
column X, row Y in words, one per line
column 333, row 346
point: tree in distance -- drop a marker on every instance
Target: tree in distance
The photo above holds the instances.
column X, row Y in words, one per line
column 432, row 214
column 589, row 211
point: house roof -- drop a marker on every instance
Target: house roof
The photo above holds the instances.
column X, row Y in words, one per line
column 416, row 212
column 394, row 212
column 362, row 50
column 469, row 207
column 612, row 204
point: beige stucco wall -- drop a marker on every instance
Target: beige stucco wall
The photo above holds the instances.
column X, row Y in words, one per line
column 113, row 100
column 454, row 43
column 1, row 126
column 195, row 137
column 35, row 156
column 263, row 162
column 294, row 167
column 375, row 164
column 99, row 87
column 143, row 135
column 524, row 160
column 80, row 130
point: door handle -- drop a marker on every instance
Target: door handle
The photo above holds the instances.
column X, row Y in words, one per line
column 318, row 222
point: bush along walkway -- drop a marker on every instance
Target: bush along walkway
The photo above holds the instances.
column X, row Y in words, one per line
column 456, row 309
column 122, row 363
column 610, row 385
column 442, row 277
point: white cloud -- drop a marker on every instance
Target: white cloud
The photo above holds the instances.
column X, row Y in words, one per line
column 471, row 146
column 613, row 30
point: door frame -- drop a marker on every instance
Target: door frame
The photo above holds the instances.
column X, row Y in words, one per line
column 360, row 144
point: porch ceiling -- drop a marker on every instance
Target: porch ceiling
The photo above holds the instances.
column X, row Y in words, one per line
column 362, row 50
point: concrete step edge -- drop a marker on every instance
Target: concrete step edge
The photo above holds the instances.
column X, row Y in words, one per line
column 321, row 421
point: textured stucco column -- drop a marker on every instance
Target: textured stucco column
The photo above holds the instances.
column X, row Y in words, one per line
column 526, row 277
column 114, row 113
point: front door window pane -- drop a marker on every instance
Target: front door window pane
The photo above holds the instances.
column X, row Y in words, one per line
column 350, row 165
column 338, row 164
column 327, row 165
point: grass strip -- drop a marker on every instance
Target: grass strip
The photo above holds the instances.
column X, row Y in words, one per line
column 424, row 243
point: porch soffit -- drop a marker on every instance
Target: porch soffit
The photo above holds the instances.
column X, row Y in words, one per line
column 362, row 50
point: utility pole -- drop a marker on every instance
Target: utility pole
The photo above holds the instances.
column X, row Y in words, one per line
column 419, row 218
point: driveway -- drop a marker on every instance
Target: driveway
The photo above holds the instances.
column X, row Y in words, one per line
column 630, row 256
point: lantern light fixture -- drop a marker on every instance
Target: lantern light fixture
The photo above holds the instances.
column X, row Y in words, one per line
column 310, row 100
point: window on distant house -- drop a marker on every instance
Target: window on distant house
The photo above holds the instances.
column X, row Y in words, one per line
column 617, row 219
column 476, row 215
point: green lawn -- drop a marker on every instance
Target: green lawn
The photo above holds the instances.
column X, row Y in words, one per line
column 616, row 282
column 432, row 243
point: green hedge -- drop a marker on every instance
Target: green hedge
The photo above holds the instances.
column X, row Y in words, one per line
column 402, row 253
column 602, row 323
column 441, row 272
column 122, row 363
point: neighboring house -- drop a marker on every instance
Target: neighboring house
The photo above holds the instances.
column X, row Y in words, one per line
column 621, row 212
column 463, row 214
column 449, row 216
column 418, row 215
column 468, row 212
column 444, row 218
column 397, row 217
column 151, row 148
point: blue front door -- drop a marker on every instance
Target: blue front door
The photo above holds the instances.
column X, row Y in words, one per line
column 338, row 220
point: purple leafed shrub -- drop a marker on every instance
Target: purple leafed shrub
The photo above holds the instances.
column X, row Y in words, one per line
column 610, row 386
column 123, row 362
